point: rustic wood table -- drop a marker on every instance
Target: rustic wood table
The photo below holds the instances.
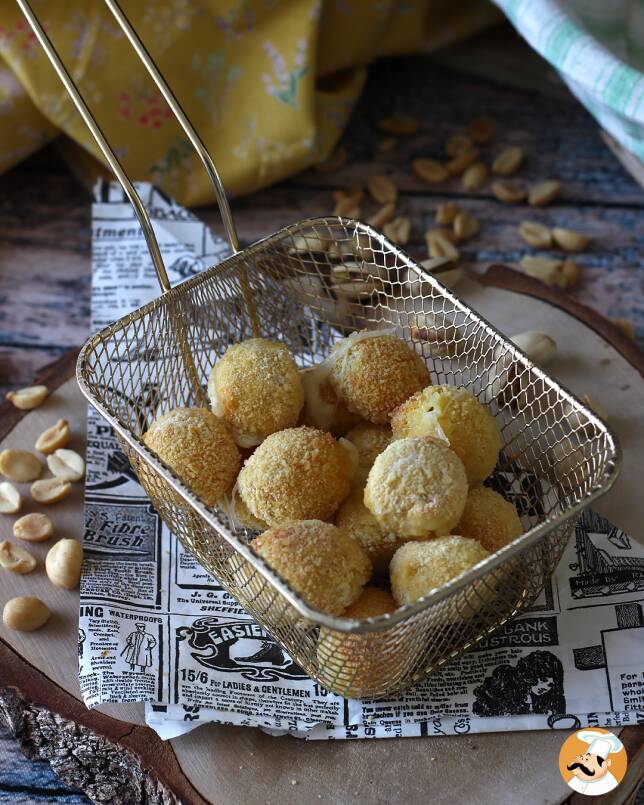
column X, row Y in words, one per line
column 45, row 220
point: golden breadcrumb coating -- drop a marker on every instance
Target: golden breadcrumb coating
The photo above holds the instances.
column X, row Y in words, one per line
column 256, row 388
column 489, row 518
column 452, row 413
column 355, row 665
column 320, row 562
column 323, row 408
column 199, row 448
column 296, row 474
column 355, row 519
column 373, row 375
column 420, row 567
column 370, row 440
column 417, row 488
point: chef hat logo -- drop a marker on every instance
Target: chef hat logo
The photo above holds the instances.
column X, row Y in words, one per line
column 593, row 761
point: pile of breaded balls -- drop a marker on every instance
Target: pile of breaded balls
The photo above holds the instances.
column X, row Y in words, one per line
column 356, row 470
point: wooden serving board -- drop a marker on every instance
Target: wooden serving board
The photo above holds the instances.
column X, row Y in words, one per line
column 114, row 757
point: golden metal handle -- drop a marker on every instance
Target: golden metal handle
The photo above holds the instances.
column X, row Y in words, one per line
column 108, row 153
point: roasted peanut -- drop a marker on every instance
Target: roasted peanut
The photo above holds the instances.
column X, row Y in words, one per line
column 398, row 230
column 462, row 160
column 570, row 240
column 475, row 176
column 508, row 161
column 446, row 212
column 543, row 193
column 570, row 273
column 53, row 438
column 481, row 130
column 508, row 191
column 20, row 466
column 458, row 143
column 25, row 613
column 539, row 347
column 10, row 499
column 50, row 490
column 309, row 243
column 28, row 398
column 543, row 268
column 383, row 216
column 444, row 269
column 536, row 234
column 430, row 171
column 382, row 189
column 63, row 563
column 15, row 559
column 439, row 244
column 465, row 226
column 33, row 527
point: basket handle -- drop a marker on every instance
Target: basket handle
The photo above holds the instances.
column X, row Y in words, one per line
column 184, row 121
column 108, row 153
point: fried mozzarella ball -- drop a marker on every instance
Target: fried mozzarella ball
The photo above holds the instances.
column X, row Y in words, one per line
column 453, row 414
column 420, row 567
column 489, row 518
column 199, row 448
column 296, row 474
column 256, row 388
column 323, row 408
column 370, row 440
column 318, row 560
column 355, row 665
column 417, row 488
column 355, row 519
column 373, row 374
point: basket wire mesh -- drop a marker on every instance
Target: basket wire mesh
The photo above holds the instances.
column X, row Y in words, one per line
column 308, row 286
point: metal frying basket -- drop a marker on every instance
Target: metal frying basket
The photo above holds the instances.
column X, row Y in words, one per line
column 557, row 455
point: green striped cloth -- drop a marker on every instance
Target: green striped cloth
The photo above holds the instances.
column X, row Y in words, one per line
column 598, row 48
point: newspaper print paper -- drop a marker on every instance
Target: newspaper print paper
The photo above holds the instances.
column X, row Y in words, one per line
column 155, row 627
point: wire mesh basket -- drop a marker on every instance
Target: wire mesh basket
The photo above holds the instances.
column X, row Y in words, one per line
column 308, row 286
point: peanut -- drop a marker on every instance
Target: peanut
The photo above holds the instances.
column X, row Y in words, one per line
column 53, row 438
column 398, row 124
column 539, row 347
column 444, row 269
column 15, row 559
column 382, row 189
column 439, row 245
column 63, row 563
column 542, row 268
column 28, row 398
column 309, row 243
column 465, row 226
column 383, row 216
column 430, row 171
column 462, row 160
column 481, row 130
column 445, row 213
column 508, row 161
column 508, row 191
column 398, row 230
column 25, row 613
column 536, row 234
column 10, row 499
column 570, row 273
column 569, row 239
column 475, row 176
column 543, row 193
column 20, row 466
column 50, row 490
column 458, row 143
column 33, row 527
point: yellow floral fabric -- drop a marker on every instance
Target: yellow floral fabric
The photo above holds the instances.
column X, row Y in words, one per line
column 269, row 84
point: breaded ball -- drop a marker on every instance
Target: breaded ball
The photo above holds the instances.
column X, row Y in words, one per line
column 320, row 562
column 296, row 474
column 257, row 390
column 417, row 488
column 355, row 519
column 239, row 513
column 489, row 518
column 420, row 567
column 370, row 440
column 323, row 408
column 355, row 665
column 199, row 448
column 452, row 413
column 374, row 374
